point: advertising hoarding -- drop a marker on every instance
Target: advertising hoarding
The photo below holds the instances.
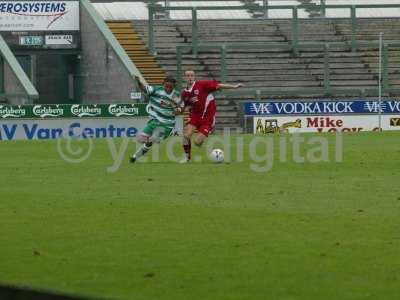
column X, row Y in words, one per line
column 318, row 107
column 333, row 123
column 39, row 16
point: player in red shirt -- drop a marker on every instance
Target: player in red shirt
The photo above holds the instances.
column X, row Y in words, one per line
column 198, row 96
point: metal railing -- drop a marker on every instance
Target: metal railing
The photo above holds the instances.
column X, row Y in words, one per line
column 325, row 90
column 153, row 9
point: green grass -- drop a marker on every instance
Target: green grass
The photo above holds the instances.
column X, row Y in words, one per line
column 202, row 231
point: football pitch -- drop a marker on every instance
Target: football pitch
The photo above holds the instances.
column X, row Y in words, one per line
column 162, row 230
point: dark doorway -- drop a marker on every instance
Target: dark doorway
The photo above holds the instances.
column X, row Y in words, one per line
column 56, row 78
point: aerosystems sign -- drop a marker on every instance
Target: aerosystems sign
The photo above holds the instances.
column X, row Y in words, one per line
column 39, row 15
column 345, row 123
column 338, row 107
column 45, row 122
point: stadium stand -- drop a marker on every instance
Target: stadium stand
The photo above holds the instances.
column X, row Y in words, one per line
column 273, row 69
column 137, row 51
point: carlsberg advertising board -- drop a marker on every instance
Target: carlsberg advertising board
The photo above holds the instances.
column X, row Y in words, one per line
column 59, row 111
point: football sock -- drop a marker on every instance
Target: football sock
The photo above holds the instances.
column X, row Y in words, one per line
column 187, row 147
column 143, row 150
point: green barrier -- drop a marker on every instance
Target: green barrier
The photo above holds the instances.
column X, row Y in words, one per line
column 323, row 8
column 295, row 31
column 61, row 111
column 353, row 29
column 327, row 82
column 151, row 9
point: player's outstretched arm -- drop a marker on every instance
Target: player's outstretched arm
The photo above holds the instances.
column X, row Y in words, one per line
column 225, row 86
column 140, row 84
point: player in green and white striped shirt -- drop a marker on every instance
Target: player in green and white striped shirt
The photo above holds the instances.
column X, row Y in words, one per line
column 164, row 104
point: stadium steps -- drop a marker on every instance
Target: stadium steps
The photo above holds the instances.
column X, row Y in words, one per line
column 347, row 69
column 368, row 30
column 133, row 45
column 258, row 68
column 272, row 69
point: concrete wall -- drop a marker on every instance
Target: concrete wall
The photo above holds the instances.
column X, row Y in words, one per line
column 13, row 86
column 104, row 77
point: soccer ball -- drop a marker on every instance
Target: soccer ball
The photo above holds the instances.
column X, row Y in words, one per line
column 217, row 156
